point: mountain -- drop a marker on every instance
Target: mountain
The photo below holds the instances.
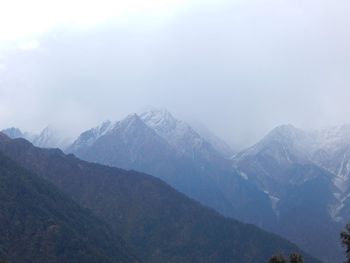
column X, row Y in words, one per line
column 159, row 223
column 181, row 136
column 156, row 143
column 304, row 196
column 266, row 162
column 49, row 137
column 219, row 145
column 333, row 154
column 40, row 224
column 14, row 133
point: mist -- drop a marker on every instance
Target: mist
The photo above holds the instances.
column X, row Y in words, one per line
column 239, row 67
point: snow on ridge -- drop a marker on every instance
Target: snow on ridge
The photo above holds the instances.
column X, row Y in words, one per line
column 177, row 132
column 219, row 145
column 89, row 137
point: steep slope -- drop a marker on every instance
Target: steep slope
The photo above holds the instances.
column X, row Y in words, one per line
column 333, row 154
column 266, row 162
column 181, row 136
column 303, row 197
column 218, row 144
column 161, row 224
column 161, row 147
column 39, row 224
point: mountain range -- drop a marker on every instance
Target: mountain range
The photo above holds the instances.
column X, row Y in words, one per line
column 155, row 221
column 49, row 137
column 157, row 143
column 292, row 182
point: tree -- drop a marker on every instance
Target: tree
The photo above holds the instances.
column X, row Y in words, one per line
column 293, row 258
column 278, row 259
column 345, row 238
column 296, row 258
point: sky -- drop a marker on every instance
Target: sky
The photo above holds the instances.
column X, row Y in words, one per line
column 241, row 67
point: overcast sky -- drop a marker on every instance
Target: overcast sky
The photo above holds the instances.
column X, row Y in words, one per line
column 241, row 67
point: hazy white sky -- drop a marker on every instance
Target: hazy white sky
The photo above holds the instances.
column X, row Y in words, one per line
column 23, row 18
column 240, row 67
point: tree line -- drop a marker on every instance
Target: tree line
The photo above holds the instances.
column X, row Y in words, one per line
column 296, row 258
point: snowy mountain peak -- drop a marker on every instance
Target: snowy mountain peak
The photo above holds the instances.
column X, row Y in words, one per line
column 50, row 137
column 131, row 119
column 129, row 125
column 88, row 137
column 285, row 144
column 160, row 119
column 13, row 133
column 180, row 135
column 285, row 134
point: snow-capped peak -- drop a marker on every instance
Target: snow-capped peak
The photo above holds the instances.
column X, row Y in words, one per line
column 180, row 135
column 286, row 134
column 50, row 137
column 13, row 133
column 285, row 144
column 160, row 119
column 88, row 138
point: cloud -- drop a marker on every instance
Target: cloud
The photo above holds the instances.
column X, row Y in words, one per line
column 240, row 67
column 21, row 19
column 28, row 45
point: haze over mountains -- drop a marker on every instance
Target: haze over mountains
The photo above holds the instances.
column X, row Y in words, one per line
column 157, row 143
column 157, row 222
column 292, row 182
column 49, row 137
column 220, row 178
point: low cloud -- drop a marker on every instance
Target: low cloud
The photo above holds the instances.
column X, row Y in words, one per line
column 240, row 68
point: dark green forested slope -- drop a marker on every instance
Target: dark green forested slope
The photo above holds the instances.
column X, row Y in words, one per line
column 39, row 224
column 159, row 223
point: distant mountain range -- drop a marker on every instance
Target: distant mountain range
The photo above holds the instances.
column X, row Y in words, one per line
column 47, row 138
column 157, row 222
column 157, row 143
column 292, row 182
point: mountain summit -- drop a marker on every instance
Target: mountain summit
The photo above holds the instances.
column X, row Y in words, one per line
column 157, row 143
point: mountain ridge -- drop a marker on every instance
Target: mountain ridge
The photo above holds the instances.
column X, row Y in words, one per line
column 194, row 233
column 40, row 224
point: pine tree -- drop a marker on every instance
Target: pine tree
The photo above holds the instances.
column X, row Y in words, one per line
column 296, row 258
column 278, row 259
column 345, row 238
column 293, row 258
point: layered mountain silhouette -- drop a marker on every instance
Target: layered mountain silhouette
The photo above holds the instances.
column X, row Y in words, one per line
column 285, row 183
column 292, row 182
column 157, row 222
column 155, row 142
